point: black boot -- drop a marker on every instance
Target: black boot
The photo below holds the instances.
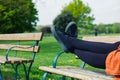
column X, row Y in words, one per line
column 62, row 39
column 71, row 29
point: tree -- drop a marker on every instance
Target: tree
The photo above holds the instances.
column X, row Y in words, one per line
column 81, row 13
column 17, row 16
column 62, row 20
column 116, row 28
column 46, row 29
column 101, row 28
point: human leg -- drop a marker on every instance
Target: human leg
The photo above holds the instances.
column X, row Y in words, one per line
column 97, row 47
column 71, row 30
column 94, row 59
column 70, row 43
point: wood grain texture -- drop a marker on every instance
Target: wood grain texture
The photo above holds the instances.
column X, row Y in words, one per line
column 22, row 36
column 77, row 73
column 12, row 60
column 106, row 39
column 20, row 47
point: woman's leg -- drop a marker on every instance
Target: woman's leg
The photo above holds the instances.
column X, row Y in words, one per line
column 70, row 43
column 94, row 59
column 97, row 47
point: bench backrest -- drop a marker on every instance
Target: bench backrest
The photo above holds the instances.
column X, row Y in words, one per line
column 107, row 39
column 21, row 37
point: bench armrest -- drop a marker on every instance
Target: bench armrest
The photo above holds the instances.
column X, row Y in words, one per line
column 17, row 46
column 56, row 58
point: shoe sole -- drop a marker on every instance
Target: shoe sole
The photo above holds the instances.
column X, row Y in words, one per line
column 58, row 39
column 69, row 27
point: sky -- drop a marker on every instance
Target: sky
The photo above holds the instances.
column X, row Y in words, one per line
column 104, row 11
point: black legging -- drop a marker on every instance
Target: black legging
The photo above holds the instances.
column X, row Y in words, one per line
column 93, row 53
column 94, row 59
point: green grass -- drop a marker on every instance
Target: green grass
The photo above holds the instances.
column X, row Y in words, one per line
column 49, row 48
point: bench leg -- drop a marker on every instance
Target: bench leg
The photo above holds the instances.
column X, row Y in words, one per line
column 63, row 77
column 16, row 71
column 27, row 72
column 1, row 77
column 44, row 76
column 83, row 64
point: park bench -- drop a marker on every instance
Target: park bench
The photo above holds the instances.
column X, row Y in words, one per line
column 19, row 49
column 79, row 73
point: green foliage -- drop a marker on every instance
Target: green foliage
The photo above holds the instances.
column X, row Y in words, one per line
column 77, row 11
column 81, row 13
column 101, row 28
column 62, row 20
column 17, row 16
column 116, row 28
column 108, row 28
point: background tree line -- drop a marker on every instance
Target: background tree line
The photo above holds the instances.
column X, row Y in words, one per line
column 101, row 29
column 108, row 28
column 17, row 16
column 77, row 11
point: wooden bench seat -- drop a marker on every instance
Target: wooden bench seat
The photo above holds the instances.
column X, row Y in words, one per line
column 106, row 39
column 13, row 60
column 13, row 49
column 76, row 72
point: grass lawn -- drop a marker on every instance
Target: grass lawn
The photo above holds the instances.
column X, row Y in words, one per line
column 49, row 48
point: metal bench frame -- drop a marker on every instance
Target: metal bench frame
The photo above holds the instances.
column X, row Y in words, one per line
column 109, row 39
column 17, row 64
column 55, row 64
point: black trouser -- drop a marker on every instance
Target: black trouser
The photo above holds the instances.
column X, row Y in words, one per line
column 93, row 53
